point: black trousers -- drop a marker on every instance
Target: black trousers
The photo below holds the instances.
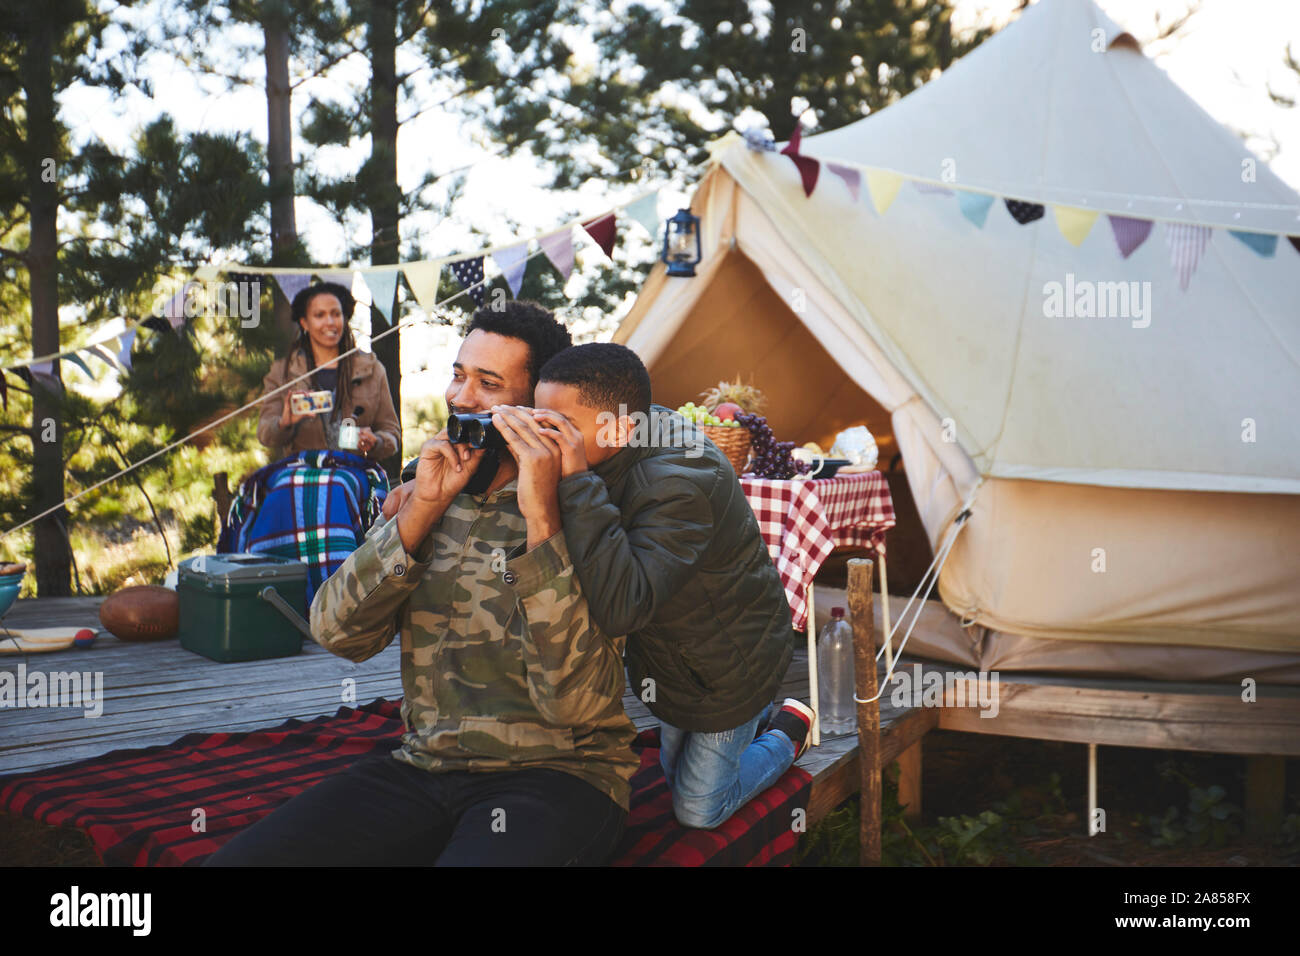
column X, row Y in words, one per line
column 383, row 812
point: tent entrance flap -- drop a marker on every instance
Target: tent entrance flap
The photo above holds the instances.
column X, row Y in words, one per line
column 740, row 328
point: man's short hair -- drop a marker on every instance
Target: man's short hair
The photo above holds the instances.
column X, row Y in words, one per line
column 530, row 322
column 606, row 376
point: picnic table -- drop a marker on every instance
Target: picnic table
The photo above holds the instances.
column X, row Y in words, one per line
column 802, row 522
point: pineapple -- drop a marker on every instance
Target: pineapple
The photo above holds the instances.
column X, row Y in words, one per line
column 746, row 396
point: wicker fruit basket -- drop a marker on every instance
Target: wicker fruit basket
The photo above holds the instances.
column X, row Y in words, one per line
column 732, row 442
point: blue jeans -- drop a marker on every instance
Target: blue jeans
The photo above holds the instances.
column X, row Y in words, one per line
column 711, row 776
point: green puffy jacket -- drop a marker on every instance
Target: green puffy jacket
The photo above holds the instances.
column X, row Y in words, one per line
column 668, row 553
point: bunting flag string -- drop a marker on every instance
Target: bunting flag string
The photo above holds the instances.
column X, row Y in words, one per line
column 512, row 261
column 807, row 166
column 602, row 230
column 423, row 279
column 124, row 354
column 78, row 361
column 1261, row 243
column 1186, row 244
column 646, row 211
column 469, row 273
column 975, row 206
column 383, row 291
column 933, row 189
column 1129, row 233
column 1024, row 212
column 1074, row 223
column 852, row 178
column 883, row 187
column 558, row 247
column 291, row 283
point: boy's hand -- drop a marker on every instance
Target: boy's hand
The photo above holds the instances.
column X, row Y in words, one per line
column 539, row 470
column 573, row 448
column 395, row 498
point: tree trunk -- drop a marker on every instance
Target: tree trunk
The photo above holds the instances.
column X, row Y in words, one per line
column 385, row 196
column 51, row 553
column 279, row 151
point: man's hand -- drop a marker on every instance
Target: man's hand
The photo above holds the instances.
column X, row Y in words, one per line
column 573, row 449
column 443, row 471
column 539, row 470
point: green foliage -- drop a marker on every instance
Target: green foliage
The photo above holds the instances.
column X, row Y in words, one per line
column 1209, row 818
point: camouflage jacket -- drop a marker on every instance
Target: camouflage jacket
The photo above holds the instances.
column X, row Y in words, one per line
column 501, row 665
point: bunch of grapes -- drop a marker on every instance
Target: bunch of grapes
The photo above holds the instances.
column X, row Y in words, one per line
column 772, row 458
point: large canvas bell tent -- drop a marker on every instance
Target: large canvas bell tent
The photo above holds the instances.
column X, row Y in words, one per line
column 1071, row 297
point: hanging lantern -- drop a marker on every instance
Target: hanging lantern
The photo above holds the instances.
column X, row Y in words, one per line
column 682, row 244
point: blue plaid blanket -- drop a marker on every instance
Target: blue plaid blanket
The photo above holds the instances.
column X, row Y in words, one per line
column 314, row 506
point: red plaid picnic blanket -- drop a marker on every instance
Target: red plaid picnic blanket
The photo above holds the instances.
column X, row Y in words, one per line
column 137, row 805
column 803, row 521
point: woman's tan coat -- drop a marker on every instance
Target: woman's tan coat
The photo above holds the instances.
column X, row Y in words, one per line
column 369, row 389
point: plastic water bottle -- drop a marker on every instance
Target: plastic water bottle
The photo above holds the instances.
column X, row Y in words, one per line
column 835, row 675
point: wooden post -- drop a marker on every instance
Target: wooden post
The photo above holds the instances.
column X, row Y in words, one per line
column 862, row 619
column 1265, row 788
column 909, row 781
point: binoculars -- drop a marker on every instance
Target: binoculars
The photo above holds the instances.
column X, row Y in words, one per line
column 475, row 430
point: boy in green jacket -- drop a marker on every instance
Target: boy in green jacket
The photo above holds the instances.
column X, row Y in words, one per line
column 669, row 554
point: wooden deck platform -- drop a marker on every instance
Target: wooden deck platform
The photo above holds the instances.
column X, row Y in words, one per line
column 156, row 693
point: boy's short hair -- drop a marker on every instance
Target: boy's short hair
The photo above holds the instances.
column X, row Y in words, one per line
column 606, row 376
column 530, row 322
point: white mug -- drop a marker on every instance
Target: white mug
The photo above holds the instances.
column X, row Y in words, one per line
column 349, row 435
column 803, row 454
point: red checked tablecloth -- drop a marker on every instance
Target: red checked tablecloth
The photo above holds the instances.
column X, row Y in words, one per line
column 803, row 521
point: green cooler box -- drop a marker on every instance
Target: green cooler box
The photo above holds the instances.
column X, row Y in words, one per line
column 242, row 607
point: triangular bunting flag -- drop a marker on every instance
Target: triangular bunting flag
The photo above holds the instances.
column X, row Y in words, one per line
column 291, row 283
column 558, row 247
column 382, row 284
column 807, row 166
column 1129, row 233
column 1074, row 223
column 124, row 354
column 646, row 211
column 174, row 310
column 469, row 273
column 43, row 374
column 1186, row 244
column 78, row 361
column 1295, row 242
column 1261, row 243
column 884, row 187
column 933, row 189
column 975, row 206
column 1024, row 212
column 603, row 231
column 512, row 261
column 343, row 277
column 104, row 353
column 423, row 278
column 852, row 178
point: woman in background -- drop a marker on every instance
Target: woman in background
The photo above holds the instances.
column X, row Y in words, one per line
column 358, row 381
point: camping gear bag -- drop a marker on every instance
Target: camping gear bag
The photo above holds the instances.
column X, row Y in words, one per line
column 233, row 606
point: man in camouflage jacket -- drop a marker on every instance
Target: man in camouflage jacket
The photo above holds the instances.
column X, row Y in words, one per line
column 516, row 747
